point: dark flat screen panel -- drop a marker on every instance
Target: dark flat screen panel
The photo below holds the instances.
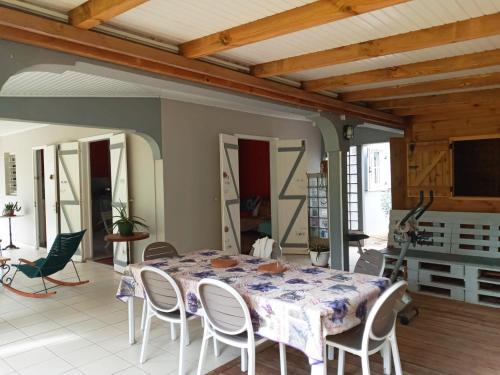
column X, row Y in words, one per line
column 476, row 168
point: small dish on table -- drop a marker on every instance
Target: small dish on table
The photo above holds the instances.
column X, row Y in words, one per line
column 223, row 262
column 275, row 267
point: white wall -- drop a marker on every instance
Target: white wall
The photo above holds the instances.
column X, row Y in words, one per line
column 375, row 219
column 141, row 176
column 191, row 165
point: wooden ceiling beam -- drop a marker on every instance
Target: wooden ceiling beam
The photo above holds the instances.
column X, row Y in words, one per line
column 431, row 37
column 300, row 18
column 480, row 96
column 458, row 113
column 445, row 65
column 474, row 106
column 478, row 80
column 39, row 31
column 94, row 12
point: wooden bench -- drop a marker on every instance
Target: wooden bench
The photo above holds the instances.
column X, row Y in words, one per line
column 463, row 263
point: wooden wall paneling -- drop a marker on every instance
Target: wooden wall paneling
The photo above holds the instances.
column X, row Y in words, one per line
column 446, row 129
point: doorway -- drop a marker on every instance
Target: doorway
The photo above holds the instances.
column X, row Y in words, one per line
column 100, row 194
column 255, row 191
column 40, row 214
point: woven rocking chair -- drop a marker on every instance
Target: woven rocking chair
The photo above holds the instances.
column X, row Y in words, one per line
column 63, row 248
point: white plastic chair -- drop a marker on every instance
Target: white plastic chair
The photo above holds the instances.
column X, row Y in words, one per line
column 228, row 320
column 377, row 334
column 164, row 301
column 157, row 250
column 371, row 262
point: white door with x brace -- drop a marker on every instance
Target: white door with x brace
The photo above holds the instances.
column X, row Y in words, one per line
column 230, row 194
column 119, row 192
column 70, row 205
column 51, row 196
column 292, row 195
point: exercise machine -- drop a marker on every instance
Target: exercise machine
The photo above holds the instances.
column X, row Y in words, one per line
column 408, row 234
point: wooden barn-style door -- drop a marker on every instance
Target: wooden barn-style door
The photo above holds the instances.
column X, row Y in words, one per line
column 119, row 193
column 429, row 168
column 230, row 193
column 70, row 203
column 292, row 187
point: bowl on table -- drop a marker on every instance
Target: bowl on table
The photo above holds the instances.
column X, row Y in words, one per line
column 223, row 262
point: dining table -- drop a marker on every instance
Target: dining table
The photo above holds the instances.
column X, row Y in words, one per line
column 299, row 306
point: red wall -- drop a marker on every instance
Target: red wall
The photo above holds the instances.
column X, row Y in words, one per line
column 254, row 168
column 99, row 161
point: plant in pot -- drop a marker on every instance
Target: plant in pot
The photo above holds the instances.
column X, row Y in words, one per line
column 320, row 254
column 11, row 208
column 126, row 223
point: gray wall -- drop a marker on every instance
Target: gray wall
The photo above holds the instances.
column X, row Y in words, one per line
column 191, row 165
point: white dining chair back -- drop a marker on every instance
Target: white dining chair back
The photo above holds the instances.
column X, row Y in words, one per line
column 161, row 290
column 371, row 262
column 157, row 250
column 224, row 308
column 164, row 301
column 382, row 318
column 228, row 320
column 377, row 334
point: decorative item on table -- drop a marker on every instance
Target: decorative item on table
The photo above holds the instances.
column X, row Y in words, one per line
column 274, row 267
column 224, row 261
column 11, row 208
column 126, row 223
column 320, row 254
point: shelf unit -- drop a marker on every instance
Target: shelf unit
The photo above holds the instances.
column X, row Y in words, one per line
column 318, row 207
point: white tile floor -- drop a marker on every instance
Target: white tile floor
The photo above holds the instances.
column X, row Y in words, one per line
column 83, row 330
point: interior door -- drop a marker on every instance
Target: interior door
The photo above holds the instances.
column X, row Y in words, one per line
column 230, row 194
column 70, row 204
column 292, row 195
column 51, row 195
column 119, row 192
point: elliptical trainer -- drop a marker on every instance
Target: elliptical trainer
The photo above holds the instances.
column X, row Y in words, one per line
column 406, row 234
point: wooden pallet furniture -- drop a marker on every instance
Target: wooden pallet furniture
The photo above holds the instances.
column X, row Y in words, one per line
column 463, row 263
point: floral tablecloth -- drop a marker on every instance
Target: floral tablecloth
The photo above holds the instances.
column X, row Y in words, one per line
column 298, row 307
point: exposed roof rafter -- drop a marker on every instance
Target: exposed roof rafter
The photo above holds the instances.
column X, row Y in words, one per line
column 300, row 18
column 481, row 96
column 431, row 37
column 478, row 80
column 445, row 65
column 94, row 12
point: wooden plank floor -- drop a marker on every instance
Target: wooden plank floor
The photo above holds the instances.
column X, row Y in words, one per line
column 448, row 337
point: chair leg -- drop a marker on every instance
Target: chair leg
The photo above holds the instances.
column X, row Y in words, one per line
column 365, row 363
column 143, row 317
column 145, row 337
column 187, row 340
column 331, row 352
column 216, row 347
column 181, row 347
column 341, row 362
column 395, row 356
column 173, row 332
column 386, row 354
column 203, row 351
column 244, row 360
column 283, row 359
column 251, row 360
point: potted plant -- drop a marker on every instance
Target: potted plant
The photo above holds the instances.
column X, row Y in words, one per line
column 320, row 254
column 126, row 223
column 11, row 208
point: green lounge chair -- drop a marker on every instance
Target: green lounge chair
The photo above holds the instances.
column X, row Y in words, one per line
column 63, row 248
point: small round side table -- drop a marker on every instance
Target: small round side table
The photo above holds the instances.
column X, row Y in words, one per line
column 135, row 236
